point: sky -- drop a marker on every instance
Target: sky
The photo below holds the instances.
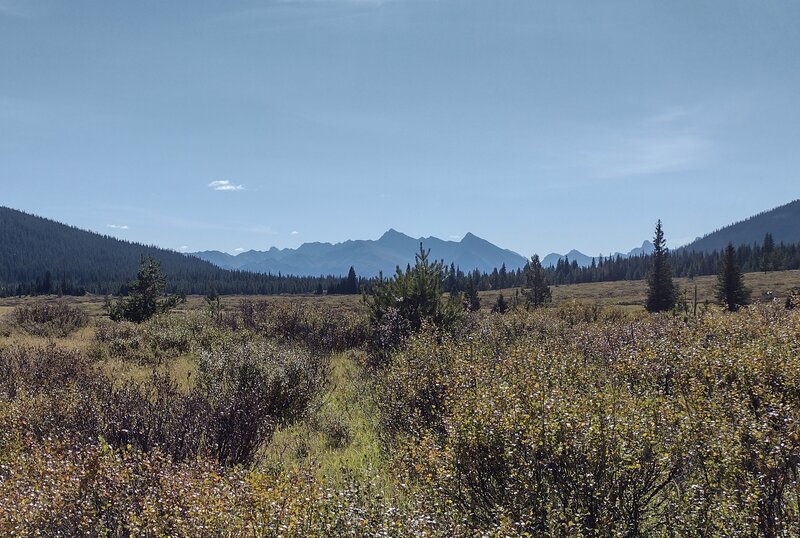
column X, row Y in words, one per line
column 539, row 126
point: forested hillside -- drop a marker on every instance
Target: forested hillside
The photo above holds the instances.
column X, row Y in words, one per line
column 40, row 256
column 782, row 222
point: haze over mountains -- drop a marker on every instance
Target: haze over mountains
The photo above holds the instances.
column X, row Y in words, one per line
column 392, row 249
column 585, row 261
column 368, row 257
column 41, row 254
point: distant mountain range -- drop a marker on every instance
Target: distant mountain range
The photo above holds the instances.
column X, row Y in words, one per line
column 585, row 261
column 38, row 254
column 368, row 257
column 782, row 222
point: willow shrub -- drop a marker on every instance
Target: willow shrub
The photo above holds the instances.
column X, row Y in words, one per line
column 320, row 329
column 553, row 425
column 53, row 319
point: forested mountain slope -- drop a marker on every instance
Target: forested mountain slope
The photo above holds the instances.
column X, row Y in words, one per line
column 39, row 255
column 782, row 222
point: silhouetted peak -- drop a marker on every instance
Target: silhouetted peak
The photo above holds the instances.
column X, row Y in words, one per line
column 391, row 233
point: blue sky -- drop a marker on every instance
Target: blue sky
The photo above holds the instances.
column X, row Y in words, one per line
column 540, row 126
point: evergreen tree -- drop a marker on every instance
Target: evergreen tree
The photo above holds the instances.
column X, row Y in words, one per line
column 351, row 285
column 730, row 289
column 414, row 296
column 536, row 292
column 146, row 296
column 661, row 293
column 472, row 302
column 770, row 258
column 501, row 306
column 213, row 303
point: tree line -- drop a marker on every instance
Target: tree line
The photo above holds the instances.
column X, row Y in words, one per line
column 41, row 257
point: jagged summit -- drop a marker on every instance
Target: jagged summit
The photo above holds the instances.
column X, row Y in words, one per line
column 370, row 257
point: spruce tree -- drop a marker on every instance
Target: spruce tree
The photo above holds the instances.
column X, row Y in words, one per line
column 661, row 293
column 146, row 295
column 501, row 306
column 472, row 302
column 730, row 289
column 536, row 292
column 351, row 285
column 770, row 258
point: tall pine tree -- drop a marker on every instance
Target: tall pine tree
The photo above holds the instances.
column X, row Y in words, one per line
column 536, row 292
column 661, row 293
column 730, row 289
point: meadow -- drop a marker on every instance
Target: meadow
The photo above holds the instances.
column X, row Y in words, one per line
column 272, row 417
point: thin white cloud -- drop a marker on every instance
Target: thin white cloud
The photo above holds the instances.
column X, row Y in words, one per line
column 240, row 249
column 651, row 155
column 117, row 226
column 184, row 247
column 454, row 237
column 295, row 232
column 225, row 185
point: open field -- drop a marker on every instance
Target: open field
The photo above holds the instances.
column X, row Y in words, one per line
column 624, row 293
column 632, row 293
column 292, row 416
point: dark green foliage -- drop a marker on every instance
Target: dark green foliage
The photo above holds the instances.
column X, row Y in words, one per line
column 408, row 300
column 472, row 302
column 782, row 223
column 345, row 286
column 661, row 293
column 730, row 289
column 500, row 306
column 537, row 291
column 39, row 256
column 770, row 258
column 146, row 295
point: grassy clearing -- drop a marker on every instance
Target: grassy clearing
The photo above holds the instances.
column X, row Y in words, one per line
column 340, row 438
column 631, row 294
column 625, row 293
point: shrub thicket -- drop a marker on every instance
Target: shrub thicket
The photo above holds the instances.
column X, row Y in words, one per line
column 592, row 427
column 568, row 421
column 53, row 319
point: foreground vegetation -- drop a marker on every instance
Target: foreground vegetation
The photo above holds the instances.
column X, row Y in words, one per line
column 273, row 418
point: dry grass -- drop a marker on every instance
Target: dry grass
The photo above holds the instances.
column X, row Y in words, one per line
column 626, row 293
column 631, row 293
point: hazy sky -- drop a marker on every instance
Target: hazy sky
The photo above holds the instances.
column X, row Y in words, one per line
column 540, row 126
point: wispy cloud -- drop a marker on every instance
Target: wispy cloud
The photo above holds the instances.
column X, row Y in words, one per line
column 240, row 249
column 295, row 232
column 673, row 139
column 454, row 237
column 651, row 154
column 225, row 185
column 117, row 226
column 183, row 248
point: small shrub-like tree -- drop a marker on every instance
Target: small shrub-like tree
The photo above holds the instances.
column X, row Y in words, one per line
column 409, row 299
column 472, row 302
column 146, row 296
column 501, row 306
